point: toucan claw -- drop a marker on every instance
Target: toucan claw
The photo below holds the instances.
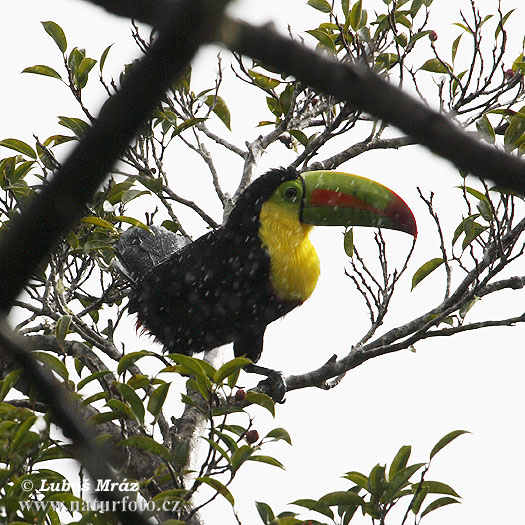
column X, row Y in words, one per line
column 274, row 386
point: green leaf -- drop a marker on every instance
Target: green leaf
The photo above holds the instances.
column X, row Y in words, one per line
column 274, row 106
column 104, row 417
column 230, row 443
column 285, row 98
column 299, row 135
column 57, row 34
column 441, row 502
column 199, row 387
column 323, row 38
column 9, row 381
column 312, row 504
column 258, row 398
column 445, row 440
column 53, row 363
column 62, row 327
column 436, row 487
column 75, row 58
column 265, row 512
column 400, row 480
column 341, row 498
column 52, row 453
column 103, row 57
column 464, row 27
column 56, row 140
column 230, row 368
column 19, row 146
column 82, row 72
column 130, row 359
column 425, row 270
column 400, row 461
column 140, row 381
column 348, row 242
column 95, row 397
column 97, row 221
column 455, row 46
column 76, row 125
column 193, row 366
column 147, row 443
column 240, row 456
column 418, row 36
column 485, row 129
column 172, row 226
column 124, row 411
column 185, row 125
column 21, row 171
column 387, row 60
column 157, row 398
column 515, row 130
column 92, row 377
column 401, row 39
column 132, row 399
column 475, row 193
column 132, row 221
column 320, row 5
column 472, row 231
column 268, row 460
column 219, row 487
column 484, row 208
column 434, row 65
column 263, row 81
column 501, row 23
column 462, row 228
column 279, row 434
column 217, row 447
column 22, row 432
column 415, row 7
column 92, row 246
column 129, row 195
column 220, row 108
column 359, row 479
column 356, row 16
column 376, row 480
column 42, row 70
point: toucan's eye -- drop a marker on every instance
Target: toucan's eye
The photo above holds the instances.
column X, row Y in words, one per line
column 291, row 193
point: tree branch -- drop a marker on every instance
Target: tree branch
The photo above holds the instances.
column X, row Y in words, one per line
column 365, row 90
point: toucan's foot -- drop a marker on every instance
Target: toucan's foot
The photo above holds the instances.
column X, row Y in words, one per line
column 274, row 385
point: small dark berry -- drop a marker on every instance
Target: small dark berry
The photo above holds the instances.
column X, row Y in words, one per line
column 240, row 395
column 509, row 73
column 252, row 436
column 433, row 36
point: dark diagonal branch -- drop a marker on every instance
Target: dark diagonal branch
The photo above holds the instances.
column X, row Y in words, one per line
column 363, row 89
column 49, row 216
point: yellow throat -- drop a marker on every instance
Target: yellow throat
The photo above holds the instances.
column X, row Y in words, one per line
column 294, row 264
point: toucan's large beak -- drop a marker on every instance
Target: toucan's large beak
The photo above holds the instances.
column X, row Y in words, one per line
column 333, row 198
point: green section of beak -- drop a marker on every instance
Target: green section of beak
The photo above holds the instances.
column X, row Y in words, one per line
column 334, row 198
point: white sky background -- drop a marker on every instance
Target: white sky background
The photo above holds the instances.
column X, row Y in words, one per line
column 471, row 382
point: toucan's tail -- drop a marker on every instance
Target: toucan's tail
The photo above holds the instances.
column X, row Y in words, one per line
column 139, row 250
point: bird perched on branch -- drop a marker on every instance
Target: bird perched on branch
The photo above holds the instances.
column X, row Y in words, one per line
column 228, row 285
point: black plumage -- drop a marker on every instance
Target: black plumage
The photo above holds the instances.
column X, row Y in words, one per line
column 213, row 291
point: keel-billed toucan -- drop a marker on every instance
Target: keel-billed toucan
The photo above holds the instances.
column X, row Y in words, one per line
column 227, row 286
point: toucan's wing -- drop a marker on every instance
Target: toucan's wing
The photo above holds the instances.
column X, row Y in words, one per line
column 138, row 250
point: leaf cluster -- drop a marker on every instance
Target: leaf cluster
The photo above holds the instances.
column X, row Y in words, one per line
column 378, row 493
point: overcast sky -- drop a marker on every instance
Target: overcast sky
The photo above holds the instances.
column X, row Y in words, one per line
column 472, row 382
